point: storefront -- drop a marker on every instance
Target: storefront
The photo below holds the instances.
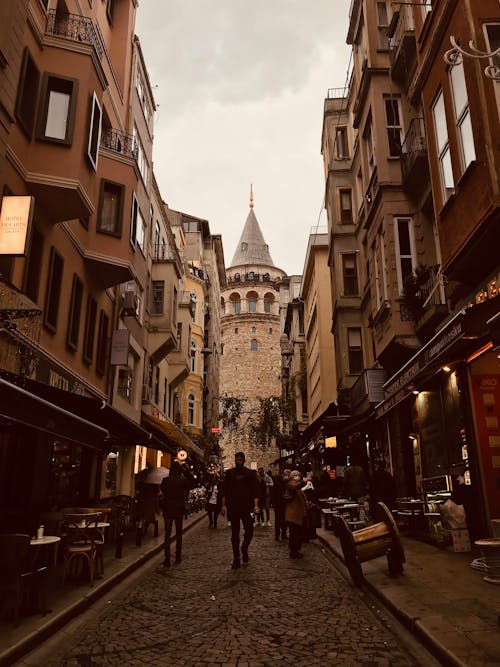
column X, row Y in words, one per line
column 441, row 416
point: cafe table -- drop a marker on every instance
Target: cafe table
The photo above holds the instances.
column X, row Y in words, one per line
column 411, row 508
column 45, row 540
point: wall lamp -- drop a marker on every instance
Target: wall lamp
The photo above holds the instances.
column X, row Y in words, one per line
column 455, row 56
column 479, row 352
column 446, row 369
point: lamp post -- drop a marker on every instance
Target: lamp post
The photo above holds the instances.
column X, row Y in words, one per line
column 456, row 55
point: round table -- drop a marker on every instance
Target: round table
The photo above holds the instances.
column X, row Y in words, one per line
column 42, row 542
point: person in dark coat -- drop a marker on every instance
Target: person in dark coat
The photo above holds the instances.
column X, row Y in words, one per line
column 295, row 512
column 382, row 487
column 278, row 503
column 239, row 498
column 175, row 490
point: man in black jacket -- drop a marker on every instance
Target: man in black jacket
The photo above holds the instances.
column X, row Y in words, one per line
column 175, row 490
column 239, row 496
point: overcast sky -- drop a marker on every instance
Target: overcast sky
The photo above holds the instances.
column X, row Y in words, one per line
column 240, row 88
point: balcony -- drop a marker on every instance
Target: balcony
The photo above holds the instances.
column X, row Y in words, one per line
column 119, row 142
column 368, row 388
column 75, row 28
column 414, row 163
column 424, row 298
column 402, row 44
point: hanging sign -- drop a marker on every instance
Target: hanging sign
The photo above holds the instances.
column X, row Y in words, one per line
column 15, row 223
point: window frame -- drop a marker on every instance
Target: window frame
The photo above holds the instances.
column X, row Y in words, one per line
column 94, row 136
column 461, row 116
column 191, row 404
column 352, row 350
column 53, row 290
column 397, row 249
column 74, row 313
column 443, row 147
column 342, row 217
column 345, row 278
column 394, row 131
column 119, row 189
column 341, row 142
column 155, row 309
column 89, row 336
column 27, row 94
column 102, row 341
column 44, row 107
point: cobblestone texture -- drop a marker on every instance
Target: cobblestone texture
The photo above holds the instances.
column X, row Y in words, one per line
column 272, row 612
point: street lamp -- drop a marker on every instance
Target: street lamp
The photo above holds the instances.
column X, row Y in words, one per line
column 456, row 55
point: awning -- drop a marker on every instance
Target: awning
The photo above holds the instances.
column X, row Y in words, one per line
column 23, row 407
column 462, row 334
column 170, row 433
column 122, row 430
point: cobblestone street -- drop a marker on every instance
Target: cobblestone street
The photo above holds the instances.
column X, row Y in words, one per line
column 273, row 611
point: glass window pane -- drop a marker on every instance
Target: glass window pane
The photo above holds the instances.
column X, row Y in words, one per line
column 440, row 122
column 404, row 237
column 459, row 89
column 354, row 337
column 447, row 170
column 467, row 140
column 57, row 115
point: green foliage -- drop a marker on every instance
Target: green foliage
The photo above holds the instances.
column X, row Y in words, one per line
column 231, row 411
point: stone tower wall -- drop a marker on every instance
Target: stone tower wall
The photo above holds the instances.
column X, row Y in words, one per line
column 247, row 373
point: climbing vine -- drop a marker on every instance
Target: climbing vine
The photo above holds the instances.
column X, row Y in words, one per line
column 231, row 411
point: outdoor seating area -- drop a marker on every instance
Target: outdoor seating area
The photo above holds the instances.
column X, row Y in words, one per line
column 333, row 508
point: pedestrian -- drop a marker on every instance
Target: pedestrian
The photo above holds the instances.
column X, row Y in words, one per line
column 265, row 483
column 355, row 484
column 175, row 489
column 277, row 491
column 213, row 497
column 313, row 517
column 295, row 512
column 382, row 487
column 239, row 497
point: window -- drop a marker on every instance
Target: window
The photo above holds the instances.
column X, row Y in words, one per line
column 253, row 330
column 193, row 357
column 237, row 306
column 102, row 342
column 236, row 330
column 405, row 249
column 190, row 415
column 137, row 226
column 426, row 7
column 165, row 394
column 34, row 266
column 267, row 304
column 393, row 125
column 355, row 350
column 75, row 308
column 126, row 383
column 254, row 346
column 110, row 208
column 345, row 206
column 88, row 345
column 270, row 330
column 27, row 93
column 341, row 144
column 443, row 147
column 251, row 275
column 462, row 116
column 157, row 297
column 349, row 274
column 383, row 24
column 156, row 387
column 493, row 41
column 179, row 335
column 94, row 131
column 252, row 305
column 142, row 161
column 370, row 152
column 57, row 111
column 54, row 283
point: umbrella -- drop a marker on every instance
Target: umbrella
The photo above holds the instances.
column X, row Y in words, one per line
column 155, row 475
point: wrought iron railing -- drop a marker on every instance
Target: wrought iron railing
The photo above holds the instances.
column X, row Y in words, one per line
column 414, row 145
column 163, row 253
column 119, row 142
column 75, row 27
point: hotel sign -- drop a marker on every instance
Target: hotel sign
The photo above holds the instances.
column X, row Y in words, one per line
column 15, row 222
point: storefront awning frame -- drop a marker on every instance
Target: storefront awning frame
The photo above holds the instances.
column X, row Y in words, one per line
column 170, row 433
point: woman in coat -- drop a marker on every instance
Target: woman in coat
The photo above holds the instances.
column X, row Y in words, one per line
column 213, row 503
column 295, row 512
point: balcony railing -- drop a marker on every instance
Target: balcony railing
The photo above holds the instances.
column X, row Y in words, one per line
column 74, row 27
column 163, row 253
column 403, row 27
column 431, row 287
column 119, row 142
column 414, row 146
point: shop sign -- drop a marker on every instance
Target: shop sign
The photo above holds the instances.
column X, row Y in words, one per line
column 15, row 222
column 55, row 376
column 490, row 290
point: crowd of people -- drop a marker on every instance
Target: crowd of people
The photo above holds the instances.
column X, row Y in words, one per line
column 245, row 498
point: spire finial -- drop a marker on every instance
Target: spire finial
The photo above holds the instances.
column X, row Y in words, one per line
column 251, row 195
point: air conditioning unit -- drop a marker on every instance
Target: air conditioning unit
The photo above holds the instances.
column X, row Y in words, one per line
column 130, row 302
column 146, row 393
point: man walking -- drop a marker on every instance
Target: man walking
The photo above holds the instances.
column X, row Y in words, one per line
column 239, row 496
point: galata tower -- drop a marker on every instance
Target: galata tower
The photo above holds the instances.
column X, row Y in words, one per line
column 250, row 363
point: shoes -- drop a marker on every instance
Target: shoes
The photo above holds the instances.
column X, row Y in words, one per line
column 296, row 554
column 244, row 555
column 235, row 564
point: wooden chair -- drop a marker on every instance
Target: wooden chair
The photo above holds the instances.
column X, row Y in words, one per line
column 81, row 541
column 18, row 583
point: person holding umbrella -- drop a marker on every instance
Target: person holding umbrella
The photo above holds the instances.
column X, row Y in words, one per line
column 175, row 490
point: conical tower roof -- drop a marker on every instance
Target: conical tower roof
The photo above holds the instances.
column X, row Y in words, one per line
column 252, row 248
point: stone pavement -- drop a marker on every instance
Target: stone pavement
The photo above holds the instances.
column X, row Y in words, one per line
column 441, row 599
column 274, row 611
